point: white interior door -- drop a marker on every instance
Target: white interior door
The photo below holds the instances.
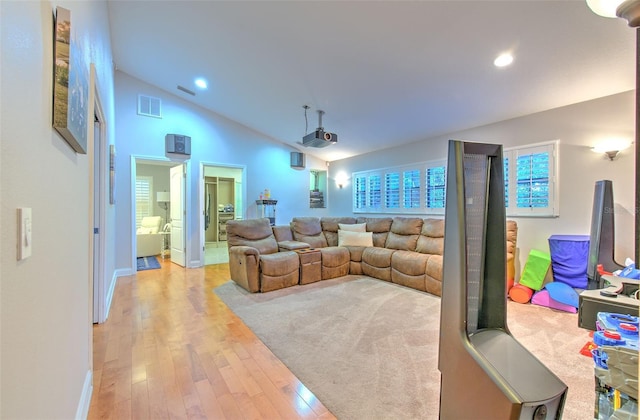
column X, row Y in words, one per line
column 97, row 283
column 177, row 196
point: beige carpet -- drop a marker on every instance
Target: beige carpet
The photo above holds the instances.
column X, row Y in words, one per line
column 368, row 349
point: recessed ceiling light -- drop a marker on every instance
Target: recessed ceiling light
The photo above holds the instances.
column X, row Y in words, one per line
column 503, row 60
column 201, row 83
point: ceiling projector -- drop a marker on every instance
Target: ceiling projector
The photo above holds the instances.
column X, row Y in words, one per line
column 319, row 138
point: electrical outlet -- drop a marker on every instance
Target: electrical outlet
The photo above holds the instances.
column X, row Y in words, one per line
column 24, row 233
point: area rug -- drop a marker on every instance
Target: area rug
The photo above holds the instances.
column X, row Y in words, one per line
column 369, row 349
column 147, row 263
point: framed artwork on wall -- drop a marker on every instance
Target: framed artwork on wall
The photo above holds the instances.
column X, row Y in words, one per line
column 70, row 85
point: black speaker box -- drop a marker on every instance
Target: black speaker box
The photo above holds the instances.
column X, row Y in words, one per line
column 297, row 160
column 176, row 143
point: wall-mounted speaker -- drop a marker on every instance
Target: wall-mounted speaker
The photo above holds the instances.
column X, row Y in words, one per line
column 176, row 143
column 297, row 160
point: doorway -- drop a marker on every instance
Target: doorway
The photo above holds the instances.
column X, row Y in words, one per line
column 160, row 192
column 222, row 199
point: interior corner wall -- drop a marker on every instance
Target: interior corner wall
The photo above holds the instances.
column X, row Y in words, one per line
column 214, row 140
column 578, row 127
column 46, row 331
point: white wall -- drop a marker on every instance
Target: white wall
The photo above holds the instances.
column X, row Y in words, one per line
column 46, row 334
column 214, row 140
column 578, row 127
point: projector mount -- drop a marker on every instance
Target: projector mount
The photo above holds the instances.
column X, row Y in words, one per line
column 318, row 138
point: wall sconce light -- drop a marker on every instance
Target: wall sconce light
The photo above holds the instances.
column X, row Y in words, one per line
column 341, row 180
column 611, row 147
column 163, row 198
column 627, row 9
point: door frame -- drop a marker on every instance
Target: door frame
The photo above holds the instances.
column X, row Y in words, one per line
column 100, row 307
column 168, row 162
column 202, row 203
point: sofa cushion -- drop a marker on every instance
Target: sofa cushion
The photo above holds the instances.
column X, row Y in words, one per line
column 279, row 264
column 404, row 233
column 434, row 267
column 409, row 262
column 309, row 230
column 279, row 270
column 376, row 263
column 348, row 238
column 379, row 226
column 377, row 257
column 335, row 262
column 330, row 227
column 255, row 233
column 282, row 233
column 431, row 240
column 353, row 227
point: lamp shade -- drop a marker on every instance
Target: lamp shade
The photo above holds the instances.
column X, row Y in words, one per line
column 606, row 8
column 162, row 197
column 611, row 144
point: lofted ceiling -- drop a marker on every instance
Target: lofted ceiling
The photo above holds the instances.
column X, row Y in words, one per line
column 385, row 72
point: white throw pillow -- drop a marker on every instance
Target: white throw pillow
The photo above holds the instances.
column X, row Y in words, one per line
column 357, row 227
column 348, row 238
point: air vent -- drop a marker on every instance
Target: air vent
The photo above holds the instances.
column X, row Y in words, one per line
column 185, row 90
column 149, row 106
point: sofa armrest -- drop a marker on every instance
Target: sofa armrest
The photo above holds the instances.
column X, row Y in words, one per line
column 292, row 245
column 244, row 267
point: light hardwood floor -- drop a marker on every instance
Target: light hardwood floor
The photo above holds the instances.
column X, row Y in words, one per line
column 172, row 349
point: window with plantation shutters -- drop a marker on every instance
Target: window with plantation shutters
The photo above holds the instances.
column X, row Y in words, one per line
column 505, row 164
column 530, row 185
column 144, row 198
column 374, row 192
column 411, row 189
column 530, row 180
column 360, row 193
column 392, row 190
column 435, row 178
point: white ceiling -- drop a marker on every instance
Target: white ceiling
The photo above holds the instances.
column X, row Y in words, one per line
column 384, row 72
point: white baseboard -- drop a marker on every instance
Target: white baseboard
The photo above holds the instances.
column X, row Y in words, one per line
column 109, row 297
column 85, row 397
column 120, row 272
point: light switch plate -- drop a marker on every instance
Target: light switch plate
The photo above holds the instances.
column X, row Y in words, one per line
column 24, row 233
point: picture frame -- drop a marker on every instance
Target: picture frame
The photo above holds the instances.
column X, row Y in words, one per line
column 70, row 85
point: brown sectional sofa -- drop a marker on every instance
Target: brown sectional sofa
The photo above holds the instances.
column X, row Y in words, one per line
column 405, row 250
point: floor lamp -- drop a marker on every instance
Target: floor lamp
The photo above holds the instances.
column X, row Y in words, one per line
column 162, row 197
column 630, row 11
